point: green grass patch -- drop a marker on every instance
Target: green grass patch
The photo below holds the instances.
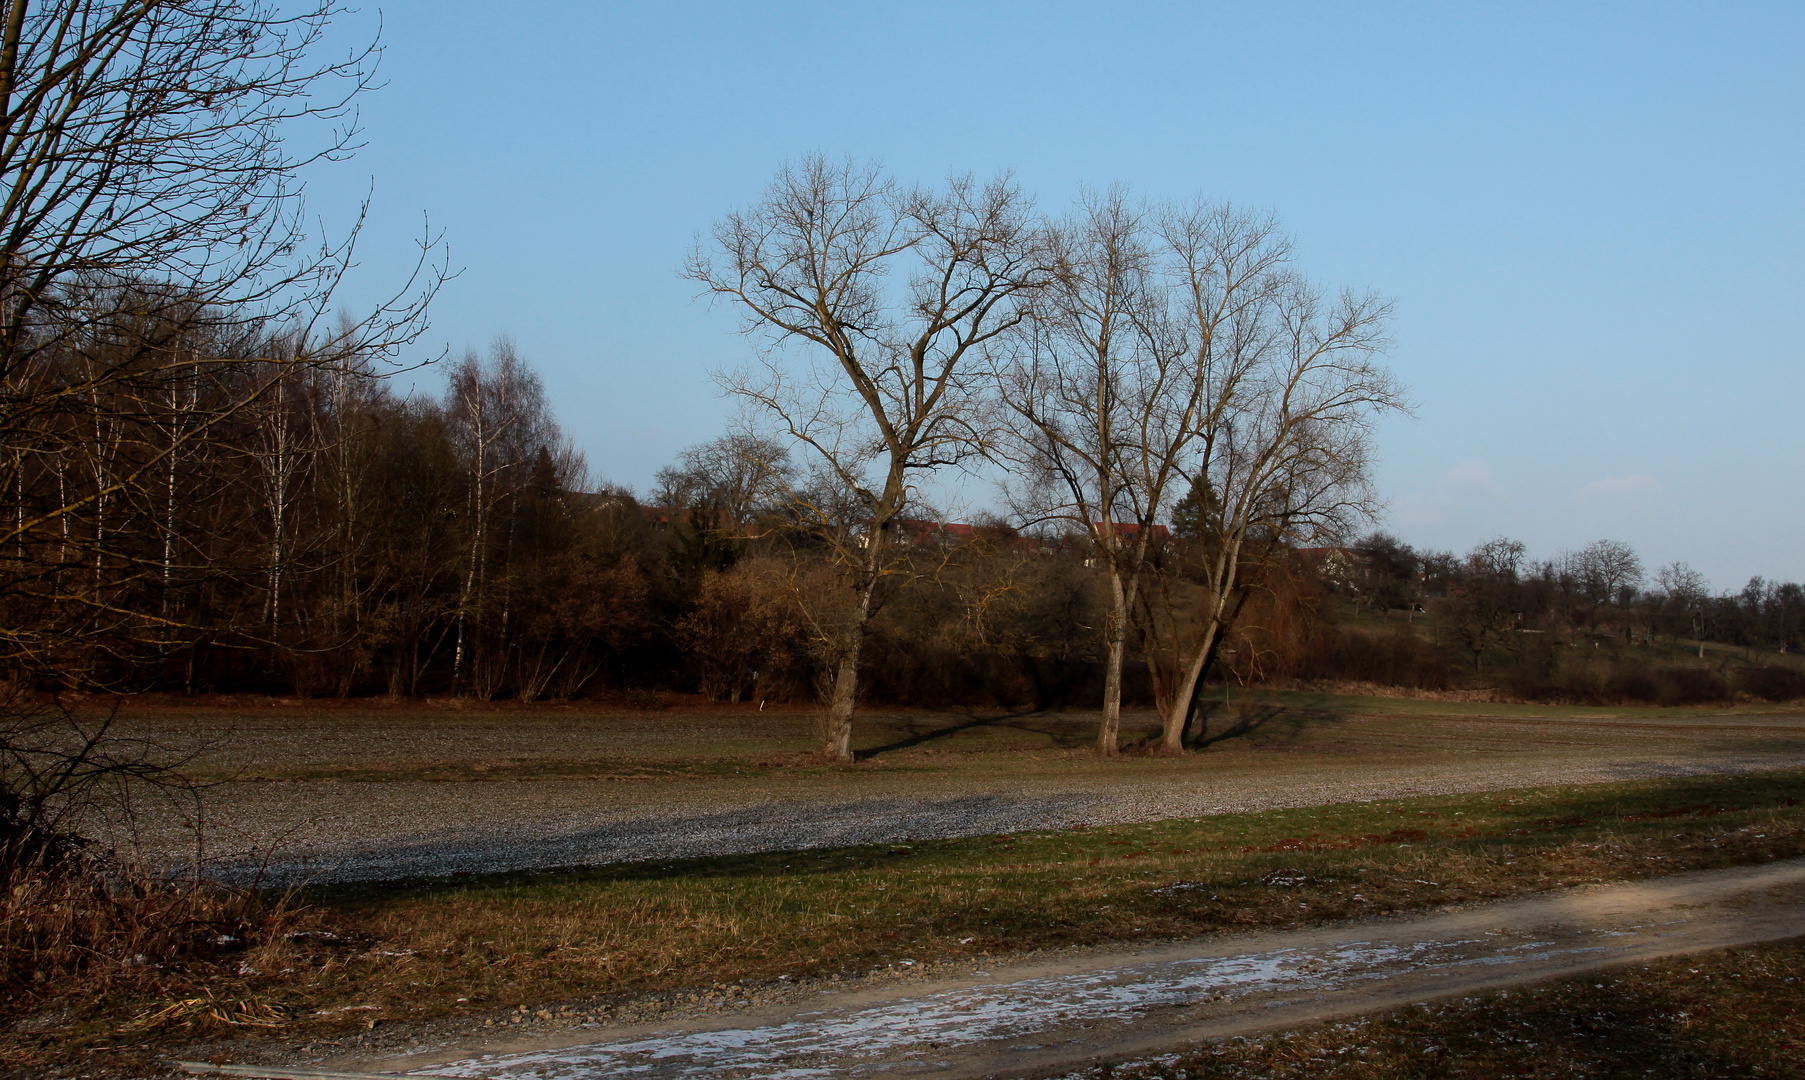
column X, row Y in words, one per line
column 657, row 926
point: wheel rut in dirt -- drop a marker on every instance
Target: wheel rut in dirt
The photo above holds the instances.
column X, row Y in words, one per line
column 1035, row 1018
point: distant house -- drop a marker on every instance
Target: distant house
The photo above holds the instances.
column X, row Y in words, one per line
column 1126, row 530
column 936, row 534
column 941, row 535
column 1338, row 566
column 1131, row 530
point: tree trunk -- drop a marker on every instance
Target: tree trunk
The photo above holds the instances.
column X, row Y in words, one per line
column 1116, row 638
column 1172, row 737
column 1172, row 734
column 837, row 739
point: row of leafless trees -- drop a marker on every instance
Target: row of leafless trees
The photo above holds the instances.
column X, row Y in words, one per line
column 1118, row 359
column 1496, row 592
column 170, row 357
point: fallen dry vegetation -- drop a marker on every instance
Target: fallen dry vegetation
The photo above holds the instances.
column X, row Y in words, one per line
column 365, row 966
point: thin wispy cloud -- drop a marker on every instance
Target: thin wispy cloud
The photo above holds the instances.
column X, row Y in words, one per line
column 1633, row 484
column 1471, row 478
column 1455, row 492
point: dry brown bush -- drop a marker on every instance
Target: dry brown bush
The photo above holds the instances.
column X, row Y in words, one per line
column 82, row 927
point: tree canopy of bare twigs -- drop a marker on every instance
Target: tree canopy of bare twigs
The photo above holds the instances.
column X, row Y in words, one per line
column 157, row 276
column 1101, row 407
column 1292, row 384
column 166, row 310
column 737, row 478
column 1180, row 357
column 871, row 302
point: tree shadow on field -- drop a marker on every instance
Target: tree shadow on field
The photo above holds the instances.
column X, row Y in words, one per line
column 1220, row 723
column 921, row 733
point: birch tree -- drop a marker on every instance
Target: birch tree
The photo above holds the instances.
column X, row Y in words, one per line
column 499, row 421
column 151, row 164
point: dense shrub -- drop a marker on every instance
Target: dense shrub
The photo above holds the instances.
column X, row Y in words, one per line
column 1400, row 658
column 1625, row 685
column 933, row 674
column 1772, row 682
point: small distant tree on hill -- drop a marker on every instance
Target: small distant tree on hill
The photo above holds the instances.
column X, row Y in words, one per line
column 1684, row 592
column 1485, row 597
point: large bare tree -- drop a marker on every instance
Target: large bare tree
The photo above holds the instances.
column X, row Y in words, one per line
column 1102, row 408
column 1291, row 385
column 1179, row 356
column 871, row 302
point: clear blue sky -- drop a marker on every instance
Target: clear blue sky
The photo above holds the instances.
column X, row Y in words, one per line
column 1592, row 217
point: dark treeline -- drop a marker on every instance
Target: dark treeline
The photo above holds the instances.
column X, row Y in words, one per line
column 271, row 523
column 328, row 536
column 1585, row 626
column 335, row 538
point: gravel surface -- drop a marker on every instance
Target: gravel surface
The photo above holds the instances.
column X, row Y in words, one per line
column 348, row 831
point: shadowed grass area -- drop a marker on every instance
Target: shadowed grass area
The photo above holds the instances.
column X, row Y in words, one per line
column 1734, row 1013
column 1364, row 705
column 415, row 948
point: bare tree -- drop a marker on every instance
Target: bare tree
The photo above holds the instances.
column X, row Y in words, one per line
column 871, row 302
column 1486, row 599
column 738, row 476
column 1102, row 409
column 1608, row 571
column 501, row 424
column 1685, row 591
column 151, row 232
column 1291, row 387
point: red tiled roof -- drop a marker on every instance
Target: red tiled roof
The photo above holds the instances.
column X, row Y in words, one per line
column 1133, row 528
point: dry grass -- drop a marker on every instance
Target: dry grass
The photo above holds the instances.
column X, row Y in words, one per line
column 133, row 955
column 1735, row 1013
column 105, row 928
column 651, row 927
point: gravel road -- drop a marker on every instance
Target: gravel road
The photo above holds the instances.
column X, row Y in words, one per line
column 347, row 831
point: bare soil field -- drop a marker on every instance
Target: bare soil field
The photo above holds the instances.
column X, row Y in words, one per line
column 305, row 791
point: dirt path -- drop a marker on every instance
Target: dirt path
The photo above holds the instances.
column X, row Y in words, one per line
column 1036, row 1018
